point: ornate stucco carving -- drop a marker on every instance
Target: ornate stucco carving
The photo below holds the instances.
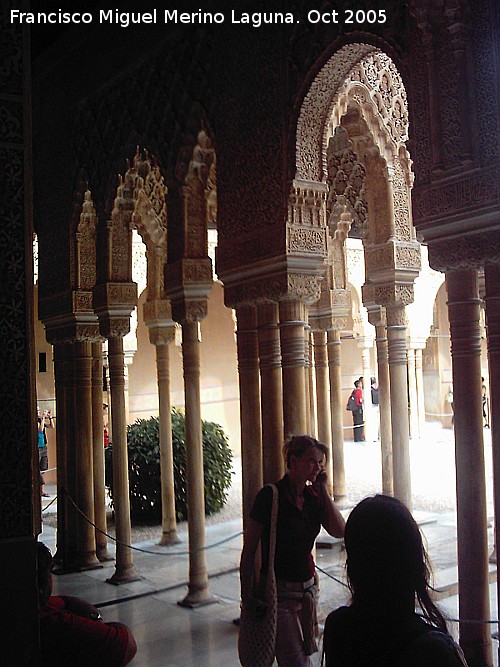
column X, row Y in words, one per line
column 316, row 109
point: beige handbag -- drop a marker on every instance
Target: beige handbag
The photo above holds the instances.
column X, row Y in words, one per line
column 257, row 638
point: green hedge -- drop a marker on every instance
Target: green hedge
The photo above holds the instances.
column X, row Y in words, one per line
column 143, row 443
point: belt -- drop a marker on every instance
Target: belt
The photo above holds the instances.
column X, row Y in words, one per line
column 295, row 585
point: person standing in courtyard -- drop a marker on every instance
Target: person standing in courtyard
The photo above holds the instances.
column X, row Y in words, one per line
column 304, row 505
column 43, row 421
column 357, row 413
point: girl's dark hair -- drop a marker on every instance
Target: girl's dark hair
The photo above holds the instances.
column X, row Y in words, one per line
column 387, row 564
column 299, row 444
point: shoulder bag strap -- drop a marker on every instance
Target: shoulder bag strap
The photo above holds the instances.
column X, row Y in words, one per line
column 272, row 533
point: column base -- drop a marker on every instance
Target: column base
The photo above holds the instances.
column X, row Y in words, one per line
column 199, row 598
column 168, row 539
column 104, row 556
column 124, row 577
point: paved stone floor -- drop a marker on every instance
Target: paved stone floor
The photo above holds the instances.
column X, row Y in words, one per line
column 172, row 636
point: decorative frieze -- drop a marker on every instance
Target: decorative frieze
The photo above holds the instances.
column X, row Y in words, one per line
column 470, row 194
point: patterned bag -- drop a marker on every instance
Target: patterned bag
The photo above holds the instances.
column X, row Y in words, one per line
column 257, row 638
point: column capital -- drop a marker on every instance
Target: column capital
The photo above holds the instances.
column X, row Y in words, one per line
column 158, row 318
column 69, row 317
column 113, row 304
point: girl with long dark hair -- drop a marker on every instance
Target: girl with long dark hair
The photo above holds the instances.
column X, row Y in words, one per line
column 388, row 573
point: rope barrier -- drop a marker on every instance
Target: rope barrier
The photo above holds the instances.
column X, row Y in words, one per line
column 148, row 551
column 51, row 503
column 228, row 539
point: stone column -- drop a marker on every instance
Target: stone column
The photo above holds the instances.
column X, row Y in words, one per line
column 323, row 398
column 61, row 352
column 420, row 391
column 198, row 577
column 309, row 383
column 124, row 569
column 384, row 397
column 292, row 314
column 271, row 392
column 412, row 391
column 492, row 304
column 129, row 360
column 250, row 417
column 168, row 518
column 396, row 338
column 368, row 416
column 101, row 541
column 82, row 442
column 463, row 311
column 333, row 345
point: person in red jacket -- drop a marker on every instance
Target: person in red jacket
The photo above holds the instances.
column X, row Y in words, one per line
column 357, row 415
column 72, row 631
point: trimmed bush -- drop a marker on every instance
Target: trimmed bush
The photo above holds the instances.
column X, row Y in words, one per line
column 143, row 444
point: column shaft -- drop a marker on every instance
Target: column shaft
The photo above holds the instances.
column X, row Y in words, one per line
column 420, row 391
column 101, row 541
column 168, row 519
column 198, row 576
column 412, row 391
column 396, row 338
column 367, row 398
column 250, row 418
column 309, row 383
column 124, row 569
column 323, row 398
column 334, row 349
column 492, row 301
column 463, row 311
column 82, row 436
column 61, row 557
column 292, row 322
column 384, row 397
column 271, row 392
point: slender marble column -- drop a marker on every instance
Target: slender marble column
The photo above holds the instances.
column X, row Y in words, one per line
column 101, row 542
column 198, row 593
column 396, row 338
column 412, row 392
column 82, row 435
column 492, row 303
column 271, row 392
column 124, row 568
column 368, row 416
column 168, row 518
column 292, row 322
column 463, row 311
column 333, row 345
column 384, row 397
column 420, row 391
column 250, row 418
column 61, row 351
column 323, row 398
column 309, row 397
